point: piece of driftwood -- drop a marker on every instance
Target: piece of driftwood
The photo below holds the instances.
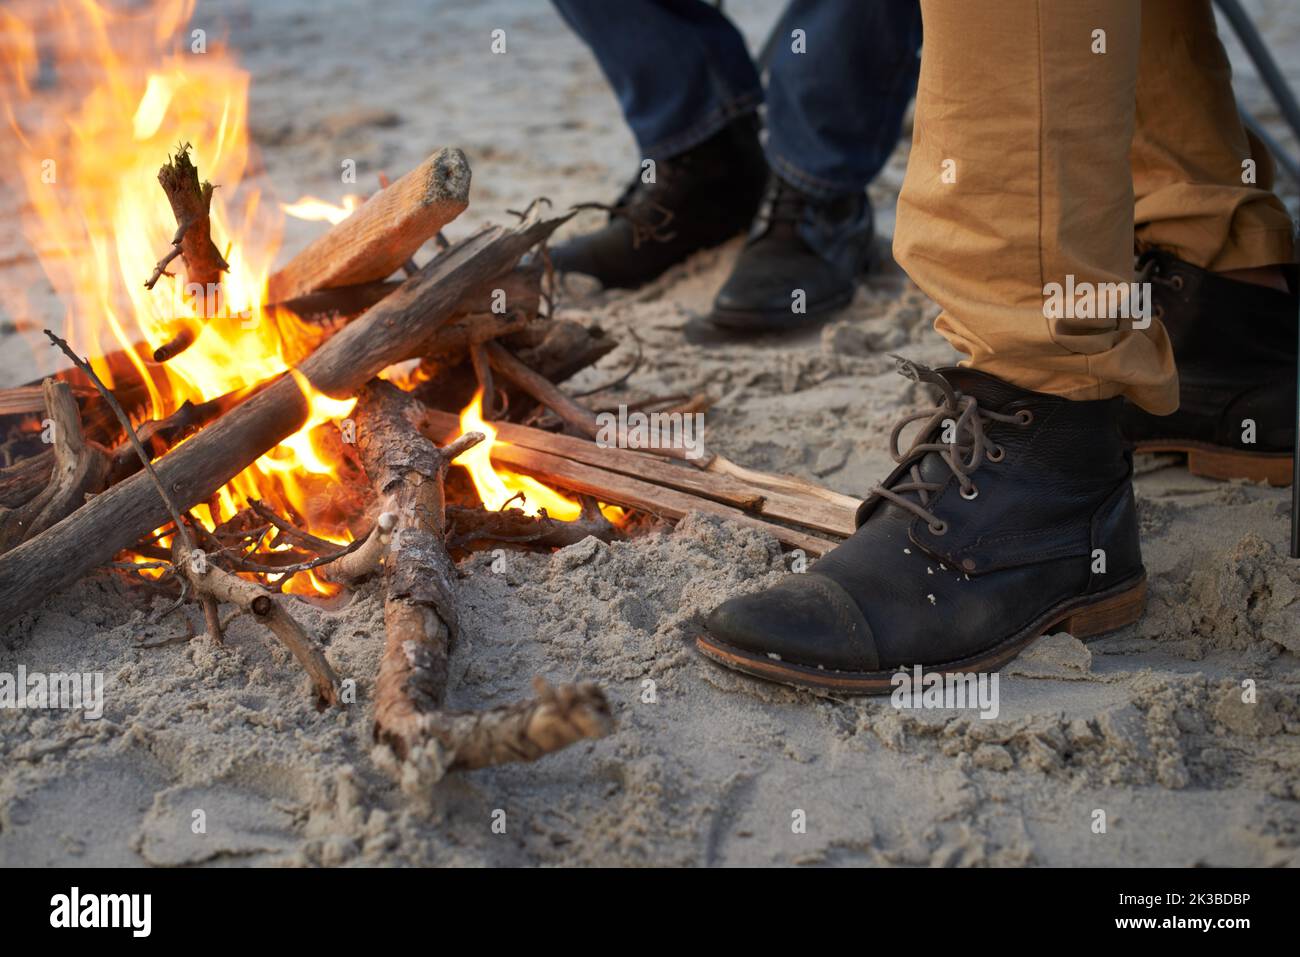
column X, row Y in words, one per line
column 420, row 619
column 80, row 468
column 778, row 497
column 196, row 469
column 367, row 559
column 29, row 399
column 383, row 233
column 191, row 203
column 212, row 582
column 618, row 489
column 23, row 480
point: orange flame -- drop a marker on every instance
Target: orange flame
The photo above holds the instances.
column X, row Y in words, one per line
column 88, row 159
column 127, row 89
column 499, row 488
column 315, row 210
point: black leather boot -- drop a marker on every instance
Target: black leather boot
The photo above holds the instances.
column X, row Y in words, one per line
column 798, row 243
column 1010, row 516
column 1235, row 346
column 700, row 198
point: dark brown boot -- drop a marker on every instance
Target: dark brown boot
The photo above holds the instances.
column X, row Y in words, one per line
column 699, row 199
column 1235, row 346
column 1010, row 516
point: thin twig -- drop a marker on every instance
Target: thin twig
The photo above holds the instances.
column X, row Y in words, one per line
column 136, row 566
column 291, row 531
column 182, row 532
column 160, row 270
column 246, row 566
column 134, row 439
column 631, row 371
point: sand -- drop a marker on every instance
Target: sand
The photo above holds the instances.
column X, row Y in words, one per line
column 707, row 767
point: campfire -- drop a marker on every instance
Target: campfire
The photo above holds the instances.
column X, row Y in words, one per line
column 242, row 437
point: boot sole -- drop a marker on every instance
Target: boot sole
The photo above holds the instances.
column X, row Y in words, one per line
column 1218, row 462
column 1085, row 618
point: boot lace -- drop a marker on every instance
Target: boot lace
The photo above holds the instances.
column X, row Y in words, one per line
column 968, row 450
column 638, row 205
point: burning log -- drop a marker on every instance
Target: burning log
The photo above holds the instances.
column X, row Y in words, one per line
column 333, row 308
column 407, row 470
column 80, row 468
column 377, row 239
column 475, row 528
column 191, row 203
column 637, row 480
column 195, row 470
column 780, row 497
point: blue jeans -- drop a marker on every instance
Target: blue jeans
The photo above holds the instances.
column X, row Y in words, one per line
column 681, row 73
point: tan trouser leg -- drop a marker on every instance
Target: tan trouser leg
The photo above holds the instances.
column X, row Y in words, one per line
column 1019, row 177
column 1196, row 195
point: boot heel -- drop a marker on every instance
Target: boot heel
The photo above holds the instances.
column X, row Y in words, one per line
column 1108, row 614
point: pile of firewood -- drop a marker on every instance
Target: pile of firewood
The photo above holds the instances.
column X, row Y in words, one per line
column 99, row 489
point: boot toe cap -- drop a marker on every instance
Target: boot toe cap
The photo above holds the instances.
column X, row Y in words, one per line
column 804, row 619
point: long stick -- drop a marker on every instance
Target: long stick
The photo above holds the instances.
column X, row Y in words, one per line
column 420, row 619
column 759, row 493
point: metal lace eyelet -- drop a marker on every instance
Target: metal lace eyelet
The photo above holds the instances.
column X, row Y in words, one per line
column 974, row 493
column 996, row 454
column 1024, row 417
column 1158, row 312
column 1177, row 282
column 938, row 528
